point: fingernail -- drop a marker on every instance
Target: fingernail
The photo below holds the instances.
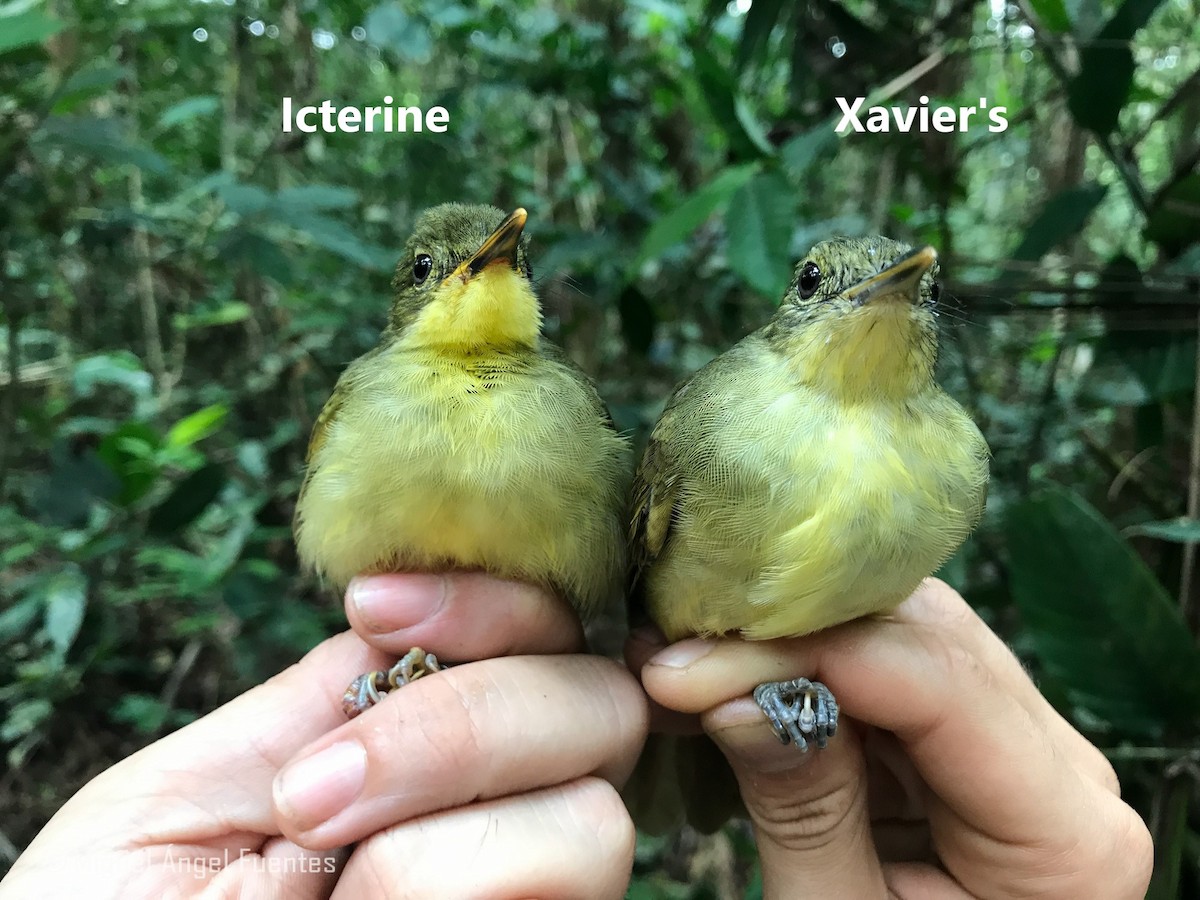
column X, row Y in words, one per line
column 387, row 603
column 315, row 789
column 683, row 654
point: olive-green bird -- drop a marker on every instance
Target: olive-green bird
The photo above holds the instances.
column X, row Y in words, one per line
column 812, row 474
column 466, row 440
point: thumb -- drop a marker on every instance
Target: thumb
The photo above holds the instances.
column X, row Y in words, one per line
column 809, row 809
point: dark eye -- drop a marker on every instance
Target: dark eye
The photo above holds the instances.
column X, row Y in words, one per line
column 810, row 277
column 422, row 267
column 935, row 291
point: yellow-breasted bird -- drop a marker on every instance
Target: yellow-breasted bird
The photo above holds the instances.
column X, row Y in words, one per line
column 813, row 473
column 465, row 440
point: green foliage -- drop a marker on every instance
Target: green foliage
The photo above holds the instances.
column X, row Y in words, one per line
column 181, row 282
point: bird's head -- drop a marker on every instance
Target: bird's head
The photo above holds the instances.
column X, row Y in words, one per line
column 463, row 282
column 858, row 320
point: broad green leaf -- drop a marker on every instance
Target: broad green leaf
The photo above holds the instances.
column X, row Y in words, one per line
column 120, row 368
column 245, row 199
column 188, row 500
column 197, row 426
column 1053, row 14
column 758, row 226
column 1095, row 95
column 338, row 238
column 145, row 712
column 100, row 139
column 129, row 452
column 1062, row 217
column 87, row 83
column 693, row 212
column 66, row 600
column 24, row 717
column 1174, row 221
column 1100, row 622
column 25, row 28
column 758, row 23
column 801, row 152
column 1181, row 530
column 228, row 313
column 188, row 109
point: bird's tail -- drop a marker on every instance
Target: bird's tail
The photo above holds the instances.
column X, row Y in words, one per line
column 682, row 779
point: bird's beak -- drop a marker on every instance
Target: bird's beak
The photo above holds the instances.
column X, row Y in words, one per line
column 900, row 279
column 501, row 245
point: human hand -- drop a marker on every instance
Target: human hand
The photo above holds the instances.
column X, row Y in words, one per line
column 496, row 774
column 950, row 775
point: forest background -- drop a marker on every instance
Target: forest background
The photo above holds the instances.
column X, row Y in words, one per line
column 181, row 282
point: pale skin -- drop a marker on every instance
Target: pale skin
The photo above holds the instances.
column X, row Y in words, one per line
column 948, row 754
column 452, row 803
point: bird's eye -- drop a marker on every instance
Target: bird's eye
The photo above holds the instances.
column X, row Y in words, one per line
column 810, row 277
column 935, row 291
column 422, row 267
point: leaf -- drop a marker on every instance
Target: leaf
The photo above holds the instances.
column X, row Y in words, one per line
column 229, row 313
column 336, row 237
column 120, row 368
column 801, row 152
column 759, row 225
column 25, row 28
column 1053, row 15
column 145, row 712
column 1096, row 94
column 1062, row 217
column 760, row 20
column 1181, row 530
column 188, row 500
column 693, row 212
column 318, row 196
column 87, row 83
column 197, row 426
column 129, row 452
column 390, row 26
column 1100, row 622
column 245, row 199
column 100, row 139
column 186, row 110
column 23, row 718
column 66, row 600
column 1174, row 221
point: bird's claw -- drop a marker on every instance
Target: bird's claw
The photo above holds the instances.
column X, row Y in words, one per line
column 799, row 710
column 369, row 688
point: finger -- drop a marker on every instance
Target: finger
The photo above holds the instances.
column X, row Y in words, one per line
column 810, row 815
column 460, row 615
column 928, row 674
column 219, row 769
column 480, row 730
column 572, row 840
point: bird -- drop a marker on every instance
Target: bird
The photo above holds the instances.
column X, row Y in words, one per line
column 464, row 440
column 813, row 473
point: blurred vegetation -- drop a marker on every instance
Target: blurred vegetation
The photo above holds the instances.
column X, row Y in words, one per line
column 182, row 282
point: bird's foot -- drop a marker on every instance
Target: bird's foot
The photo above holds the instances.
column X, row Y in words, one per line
column 799, row 710
column 369, row 688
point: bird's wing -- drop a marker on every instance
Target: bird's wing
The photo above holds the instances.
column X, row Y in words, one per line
column 654, row 493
